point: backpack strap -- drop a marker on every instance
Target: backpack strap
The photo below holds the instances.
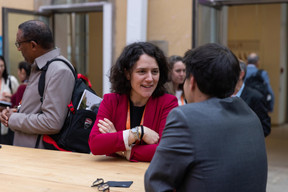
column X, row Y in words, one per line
column 9, row 84
column 48, row 139
column 41, row 84
column 37, row 141
column 259, row 72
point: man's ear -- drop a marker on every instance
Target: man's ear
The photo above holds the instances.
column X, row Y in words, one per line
column 241, row 76
column 193, row 83
column 34, row 44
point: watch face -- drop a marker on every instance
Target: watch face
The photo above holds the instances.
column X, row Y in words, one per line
column 135, row 133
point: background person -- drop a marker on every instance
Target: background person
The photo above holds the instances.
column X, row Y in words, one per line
column 215, row 142
column 8, row 86
column 138, row 98
column 176, row 78
column 252, row 68
column 9, row 83
column 24, row 70
column 35, row 41
column 254, row 99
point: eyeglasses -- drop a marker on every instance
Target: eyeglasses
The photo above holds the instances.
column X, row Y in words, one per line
column 17, row 44
column 104, row 187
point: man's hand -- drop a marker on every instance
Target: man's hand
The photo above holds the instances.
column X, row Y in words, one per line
column 5, row 115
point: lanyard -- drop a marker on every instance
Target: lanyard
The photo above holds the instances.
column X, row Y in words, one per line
column 182, row 100
column 128, row 125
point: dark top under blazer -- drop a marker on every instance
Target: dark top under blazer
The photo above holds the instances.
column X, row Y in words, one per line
column 216, row 145
column 257, row 103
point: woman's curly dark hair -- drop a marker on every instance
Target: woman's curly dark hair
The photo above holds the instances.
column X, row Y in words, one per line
column 129, row 56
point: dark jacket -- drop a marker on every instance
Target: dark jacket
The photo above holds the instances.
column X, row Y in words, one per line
column 256, row 102
column 215, row 145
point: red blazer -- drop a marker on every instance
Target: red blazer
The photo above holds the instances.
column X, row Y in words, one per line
column 114, row 107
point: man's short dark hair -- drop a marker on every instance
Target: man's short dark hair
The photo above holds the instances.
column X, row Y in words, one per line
column 39, row 32
column 215, row 69
column 128, row 58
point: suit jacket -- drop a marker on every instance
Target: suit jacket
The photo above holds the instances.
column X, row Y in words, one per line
column 257, row 103
column 252, row 70
column 36, row 118
column 114, row 107
column 216, row 145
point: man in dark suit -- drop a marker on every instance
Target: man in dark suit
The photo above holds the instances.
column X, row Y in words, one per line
column 215, row 142
column 254, row 99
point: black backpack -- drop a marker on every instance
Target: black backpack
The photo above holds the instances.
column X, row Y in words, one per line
column 257, row 82
column 75, row 132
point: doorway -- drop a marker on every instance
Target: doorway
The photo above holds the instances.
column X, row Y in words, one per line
column 247, row 28
column 81, row 31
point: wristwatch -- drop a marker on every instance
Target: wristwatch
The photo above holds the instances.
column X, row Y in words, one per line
column 135, row 133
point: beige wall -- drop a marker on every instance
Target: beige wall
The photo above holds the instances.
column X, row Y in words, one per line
column 119, row 38
column 256, row 28
column 168, row 20
column 16, row 4
column 171, row 21
column 95, row 46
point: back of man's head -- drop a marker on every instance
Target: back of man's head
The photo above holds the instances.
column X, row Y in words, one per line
column 215, row 69
column 39, row 32
column 252, row 59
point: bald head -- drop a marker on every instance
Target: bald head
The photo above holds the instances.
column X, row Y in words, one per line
column 253, row 59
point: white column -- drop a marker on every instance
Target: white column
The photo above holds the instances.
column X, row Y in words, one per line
column 107, row 45
column 136, row 27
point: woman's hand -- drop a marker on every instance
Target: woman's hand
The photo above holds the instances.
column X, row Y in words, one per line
column 106, row 126
column 150, row 136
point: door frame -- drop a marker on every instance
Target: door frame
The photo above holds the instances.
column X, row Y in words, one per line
column 106, row 8
column 50, row 10
column 5, row 27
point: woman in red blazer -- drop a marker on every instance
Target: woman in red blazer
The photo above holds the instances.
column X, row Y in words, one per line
column 131, row 119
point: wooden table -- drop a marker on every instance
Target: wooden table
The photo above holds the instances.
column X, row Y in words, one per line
column 28, row 169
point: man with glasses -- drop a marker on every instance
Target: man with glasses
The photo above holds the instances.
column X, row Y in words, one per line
column 35, row 117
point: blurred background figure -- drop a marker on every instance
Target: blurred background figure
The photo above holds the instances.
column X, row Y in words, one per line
column 176, row 78
column 254, row 99
column 8, row 83
column 252, row 69
column 24, row 70
column 8, row 86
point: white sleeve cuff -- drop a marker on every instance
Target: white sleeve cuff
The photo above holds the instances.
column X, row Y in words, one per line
column 125, row 139
column 127, row 154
